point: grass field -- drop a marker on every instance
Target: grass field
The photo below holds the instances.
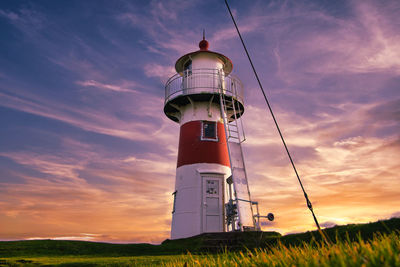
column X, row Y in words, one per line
column 89, row 261
column 382, row 250
column 375, row 244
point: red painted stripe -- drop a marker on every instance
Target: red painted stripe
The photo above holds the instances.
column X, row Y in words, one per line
column 194, row 150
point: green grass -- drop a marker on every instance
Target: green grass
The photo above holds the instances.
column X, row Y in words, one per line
column 87, row 261
column 382, row 250
column 373, row 244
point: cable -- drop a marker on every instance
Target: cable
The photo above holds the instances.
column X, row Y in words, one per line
column 309, row 205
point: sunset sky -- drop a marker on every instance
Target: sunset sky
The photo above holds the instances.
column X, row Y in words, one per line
column 87, row 153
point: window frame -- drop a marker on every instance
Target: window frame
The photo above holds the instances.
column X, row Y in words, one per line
column 202, row 136
column 187, row 68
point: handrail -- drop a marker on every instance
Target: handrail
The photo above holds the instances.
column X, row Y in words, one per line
column 203, row 81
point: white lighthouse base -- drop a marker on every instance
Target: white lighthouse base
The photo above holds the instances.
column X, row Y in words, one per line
column 199, row 199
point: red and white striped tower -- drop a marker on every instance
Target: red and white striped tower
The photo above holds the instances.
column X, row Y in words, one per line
column 195, row 98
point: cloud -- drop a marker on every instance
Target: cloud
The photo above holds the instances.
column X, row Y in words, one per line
column 388, row 111
column 91, row 119
column 10, row 15
column 328, row 224
column 155, row 25
column 27, row 19
column 360, row 44
column 342, row 158
column 223, row 35
column 88, row 185
column 111, row 87
column 350, row 142
column 395, row 215
column 56, row 167
column 81, row 237
column 159, row 71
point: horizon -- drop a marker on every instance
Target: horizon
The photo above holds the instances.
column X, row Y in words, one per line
column 159, row 243
column 86, row 151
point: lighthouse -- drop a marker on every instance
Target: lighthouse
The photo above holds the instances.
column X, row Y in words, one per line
column 211, row 189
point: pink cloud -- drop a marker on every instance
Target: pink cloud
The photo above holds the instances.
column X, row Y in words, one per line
column 94, row 120
column 111, row 87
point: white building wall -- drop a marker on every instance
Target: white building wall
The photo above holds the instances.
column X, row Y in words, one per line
column 206, row 61
column 200, row 111
column 187, row 218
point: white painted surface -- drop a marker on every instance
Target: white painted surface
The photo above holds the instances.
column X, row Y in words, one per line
column 200, row 111
column 187, row 219
column 206, row 61
column 213, row 203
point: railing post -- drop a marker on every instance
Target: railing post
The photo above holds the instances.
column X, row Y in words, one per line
column 179, row 84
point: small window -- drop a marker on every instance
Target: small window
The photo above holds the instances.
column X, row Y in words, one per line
column 209, row 131
column 187, row 68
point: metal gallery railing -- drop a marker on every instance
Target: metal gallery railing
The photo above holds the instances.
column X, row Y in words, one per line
column 203, row 81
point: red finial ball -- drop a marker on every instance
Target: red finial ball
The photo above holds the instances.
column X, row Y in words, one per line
column 203, row 45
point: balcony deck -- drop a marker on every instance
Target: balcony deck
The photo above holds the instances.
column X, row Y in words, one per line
column 201, row 85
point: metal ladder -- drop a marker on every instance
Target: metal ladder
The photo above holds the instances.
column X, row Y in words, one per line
column 245, row 220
